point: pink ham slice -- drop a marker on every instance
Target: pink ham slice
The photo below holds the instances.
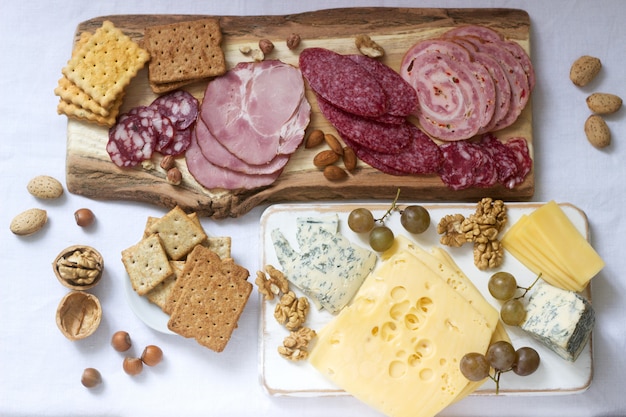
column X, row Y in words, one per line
column 246, row 108
column 456, row 95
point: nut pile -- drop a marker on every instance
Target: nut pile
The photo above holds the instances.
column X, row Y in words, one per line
column 582, row 72
column 327, row 159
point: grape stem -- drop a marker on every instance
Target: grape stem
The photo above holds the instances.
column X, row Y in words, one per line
column 529, row 288
column 496, row 378
column 393, row 207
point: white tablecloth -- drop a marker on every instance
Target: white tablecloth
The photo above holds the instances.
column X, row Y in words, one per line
column 40, row 370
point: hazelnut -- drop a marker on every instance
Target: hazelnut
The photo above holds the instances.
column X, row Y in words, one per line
column 91, row 378
column 84, row 217
column 167, row 162
column 121, row 341
column 152, row 355
column 293, row 41
column 266, row 46
column 174, row 176
column 132, row 366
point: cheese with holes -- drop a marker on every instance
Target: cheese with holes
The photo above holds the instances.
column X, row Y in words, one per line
column 398, row 344
column 548, row 243
column 329, row 269
column 562, row 320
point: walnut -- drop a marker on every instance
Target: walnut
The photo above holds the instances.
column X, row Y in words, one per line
column 450, row 227
column 278, row 279
column 368, row 47
column 488, row 255
column 274, row 285
column 78, row 267
column 291, row 310
column 295, row 345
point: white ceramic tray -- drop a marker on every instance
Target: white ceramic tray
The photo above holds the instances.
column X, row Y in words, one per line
column 282, row 377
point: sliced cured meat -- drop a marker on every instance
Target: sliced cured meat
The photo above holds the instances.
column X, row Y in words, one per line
column 421, row 156
column 211, row 176
column 179, row 106
column 247, row 108
column 131, row 141
column 460, row 161
column 504, row 159
column 368, row 157
column 292, row 132
column 179, row 143
column 218, row 155
column 343, row 82
column 379, row 137
column 519, row 146
column 401, row 97
column 456, row 95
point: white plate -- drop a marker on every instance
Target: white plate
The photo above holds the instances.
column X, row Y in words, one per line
column 149, row 313
column 286, row 378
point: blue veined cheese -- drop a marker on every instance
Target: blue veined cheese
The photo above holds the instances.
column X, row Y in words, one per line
column 560, row 319
column 329, row 268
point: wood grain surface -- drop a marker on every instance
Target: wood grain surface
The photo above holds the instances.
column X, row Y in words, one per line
column 90, row 172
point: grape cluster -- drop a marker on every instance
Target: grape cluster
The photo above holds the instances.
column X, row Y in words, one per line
column 414, row 219
column 501, row 357
column 503, row 286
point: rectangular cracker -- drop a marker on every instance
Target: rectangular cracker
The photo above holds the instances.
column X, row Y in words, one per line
column 179, row 234
column 77, row 112
column 146, row 264
column 104, row 65
column 211, row 304
column 159, row 294
column 185, row 51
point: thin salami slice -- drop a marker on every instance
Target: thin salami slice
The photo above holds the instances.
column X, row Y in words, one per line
column 523, row 158
column 379, row 137
column 368, row 157
column 462, row 165
column 401, row 97
column 131, row 141
column 179, row 143
column 343, row 82
column 504, row 158
column 179, row 106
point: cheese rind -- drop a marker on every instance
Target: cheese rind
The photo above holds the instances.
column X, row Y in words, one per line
column 398, row 345
column 562, row 320
column 329, row 269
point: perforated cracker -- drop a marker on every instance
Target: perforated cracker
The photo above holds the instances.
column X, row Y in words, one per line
column 146, row 264
column 185, row 51
column 179, row 234
column 105, row 64
column 77, row 112
column 71, row 94
column 159, row 294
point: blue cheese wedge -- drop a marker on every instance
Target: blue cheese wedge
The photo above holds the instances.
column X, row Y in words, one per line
column 329, row 269
column 560, row 319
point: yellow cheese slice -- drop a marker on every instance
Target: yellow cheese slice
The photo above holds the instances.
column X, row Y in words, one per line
column 397, row 346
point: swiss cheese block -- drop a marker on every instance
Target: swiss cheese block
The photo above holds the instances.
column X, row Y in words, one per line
column 398, row 345
column 547, row 242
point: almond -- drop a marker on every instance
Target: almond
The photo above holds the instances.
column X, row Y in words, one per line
column 333, row 143
column 597, row 131
column 29, row 222
column 349, row 159
column 44, row 186
column 315, row 138
column 325, row 158
column 604, row 103
column 334, row 173
column 584, row 69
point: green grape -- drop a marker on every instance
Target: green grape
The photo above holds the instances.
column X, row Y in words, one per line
column 415, row 219
column 381, row 238
column 501, row 355
column 361, row 220
column 502, row 286
column 526, row 361
column 474, row 366
column 513, row 312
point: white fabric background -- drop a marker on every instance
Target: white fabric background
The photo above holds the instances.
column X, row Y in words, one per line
column 40, row 370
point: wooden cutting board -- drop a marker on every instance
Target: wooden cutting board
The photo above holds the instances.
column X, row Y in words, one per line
column 91, row 173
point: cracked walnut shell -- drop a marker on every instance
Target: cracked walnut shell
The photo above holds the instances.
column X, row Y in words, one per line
column 78, row 315
column 78, row 267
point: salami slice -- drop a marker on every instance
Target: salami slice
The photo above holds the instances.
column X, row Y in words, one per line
column 379, row 137
column 519, row 146
column 504, row 158
column 464, row 165
column 368, row 157
column 401, row 97
column 343, row 82
column 180, row 107
column 179, row 143
column 131, row 141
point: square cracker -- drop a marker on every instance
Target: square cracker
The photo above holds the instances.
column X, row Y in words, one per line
column 158, row 295
column 146, row 264
column 211, row 304
column 179, row 233
column 75, row 111
column 184, row 51
column 104, row 65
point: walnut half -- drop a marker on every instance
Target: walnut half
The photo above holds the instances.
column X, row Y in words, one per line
column 78, row 267
column 295, row 345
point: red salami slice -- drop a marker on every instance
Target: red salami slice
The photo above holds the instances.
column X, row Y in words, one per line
column 504, row 158
column 401, row 97
column 131, row 141
column 343, row 82
column 524, row 161
column 368, row 157
column 380, row 137
column 466, row 165
column 179, row 143
column 178, row 106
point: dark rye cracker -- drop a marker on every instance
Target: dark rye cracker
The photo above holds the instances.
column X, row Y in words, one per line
column 184, row 51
